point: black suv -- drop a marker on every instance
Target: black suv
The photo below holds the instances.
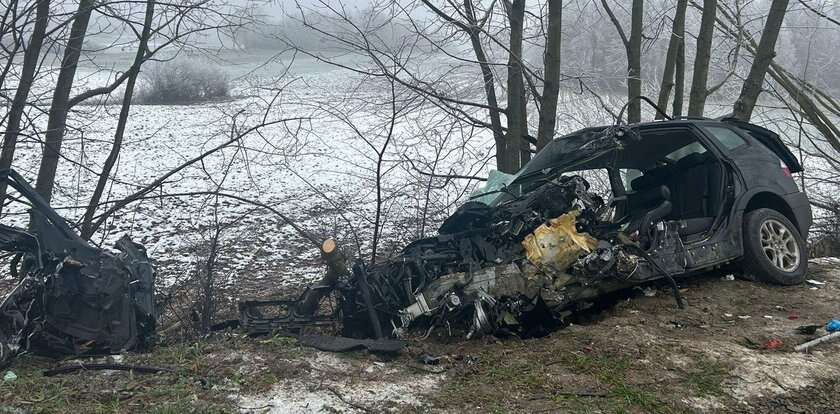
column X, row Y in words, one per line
column 595, row 211
column 726, row 184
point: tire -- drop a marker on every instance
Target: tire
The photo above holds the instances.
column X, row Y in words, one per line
column 774, row 252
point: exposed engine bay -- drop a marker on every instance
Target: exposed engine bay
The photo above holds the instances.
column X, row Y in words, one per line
column 512, row 269
column 71, row 297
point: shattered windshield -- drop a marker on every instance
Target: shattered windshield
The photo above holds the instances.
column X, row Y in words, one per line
column 560, row 155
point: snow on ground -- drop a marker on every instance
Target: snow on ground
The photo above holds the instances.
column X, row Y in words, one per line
column 283, row 166
column 345, row 385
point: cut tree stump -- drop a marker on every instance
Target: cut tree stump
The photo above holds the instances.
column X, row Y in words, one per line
column 336, row 267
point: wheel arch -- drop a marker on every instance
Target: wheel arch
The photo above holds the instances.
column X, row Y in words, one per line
column 773, row 201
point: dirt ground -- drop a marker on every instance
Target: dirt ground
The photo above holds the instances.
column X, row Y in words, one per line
column 639, row 354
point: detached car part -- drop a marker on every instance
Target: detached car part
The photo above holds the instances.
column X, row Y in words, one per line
column 72, row 298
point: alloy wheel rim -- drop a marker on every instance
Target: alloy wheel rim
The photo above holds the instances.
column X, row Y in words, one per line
column 779, row 245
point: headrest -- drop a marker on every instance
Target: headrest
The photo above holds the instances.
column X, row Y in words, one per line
column 646, row 181
column 653, row 195
column 691, row 160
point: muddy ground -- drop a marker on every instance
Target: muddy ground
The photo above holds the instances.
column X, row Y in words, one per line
column 637, row 354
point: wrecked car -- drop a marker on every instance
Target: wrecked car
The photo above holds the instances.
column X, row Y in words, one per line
column 71, row 298
column 595, row 211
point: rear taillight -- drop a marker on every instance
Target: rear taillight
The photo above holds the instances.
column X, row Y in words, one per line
column 785, row 169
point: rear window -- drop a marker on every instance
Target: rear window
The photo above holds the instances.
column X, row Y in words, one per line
column 726, row 137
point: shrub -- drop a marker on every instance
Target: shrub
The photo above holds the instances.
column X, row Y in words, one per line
column 183, row 81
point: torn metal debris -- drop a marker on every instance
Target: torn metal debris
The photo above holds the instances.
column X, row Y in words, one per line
column 72, row 298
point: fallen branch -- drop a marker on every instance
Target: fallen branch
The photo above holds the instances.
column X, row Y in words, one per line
column 81, row 366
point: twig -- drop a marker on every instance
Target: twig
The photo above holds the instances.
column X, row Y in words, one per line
column 346, row 401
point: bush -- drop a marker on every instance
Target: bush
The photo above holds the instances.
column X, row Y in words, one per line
column 183, row 81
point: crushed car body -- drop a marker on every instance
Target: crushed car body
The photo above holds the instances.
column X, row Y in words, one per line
column 595, row 211
column 71, row 297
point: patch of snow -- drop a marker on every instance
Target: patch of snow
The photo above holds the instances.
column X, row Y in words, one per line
column 825, row 260
column 760, row 374
column 342, row 385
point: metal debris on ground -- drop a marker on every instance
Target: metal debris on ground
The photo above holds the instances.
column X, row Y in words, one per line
column 427, row 359
column 342, row 344
column 72, row 298
column 807, row 329
column 810, row 344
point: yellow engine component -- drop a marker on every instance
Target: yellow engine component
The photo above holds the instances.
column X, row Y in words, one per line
column 557, row 244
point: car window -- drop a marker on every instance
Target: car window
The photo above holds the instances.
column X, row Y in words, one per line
column 726, row 137
column 628, row 175
column 693, row 148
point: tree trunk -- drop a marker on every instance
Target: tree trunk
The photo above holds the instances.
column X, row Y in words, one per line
column 517, row 116
column 57, row 120
column 697, row 96
column 27, row 77
column 489, row 90
column 336, row 268
column 745, row 104
column 679, row 80
column 634, row 63
column 551, row 85
column 87, row 222
column 677, row 33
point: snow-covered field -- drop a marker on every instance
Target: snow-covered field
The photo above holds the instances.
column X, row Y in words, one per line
column 318, row 168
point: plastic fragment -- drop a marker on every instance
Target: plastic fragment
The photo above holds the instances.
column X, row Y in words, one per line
column 774, row 343
column 815, row 282
column 10, row 376
column 833, row 325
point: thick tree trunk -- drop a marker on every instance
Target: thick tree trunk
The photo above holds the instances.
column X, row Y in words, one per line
column 679, row 80
column 57, row 120
column 336, row 268
column 551, row 86
column 677, row 34
column 697, row 96
column 87, row 222
column 634, row 63
column 27, row 77
column 517, row 116
column 745, row 104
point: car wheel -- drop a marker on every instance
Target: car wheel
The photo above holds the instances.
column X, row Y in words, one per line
column 774, row 252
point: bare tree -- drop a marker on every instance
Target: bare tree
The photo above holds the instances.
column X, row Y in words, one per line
column 517, row 114
column 698, row 94
column 675, row 46
column 133, row 72
column 551, row 87
column 58, row 109
column 764, row 55
column 27, row 78
column 633, row 49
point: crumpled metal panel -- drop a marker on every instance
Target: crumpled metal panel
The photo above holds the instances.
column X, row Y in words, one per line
column 72, row 297
column 555, row 245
